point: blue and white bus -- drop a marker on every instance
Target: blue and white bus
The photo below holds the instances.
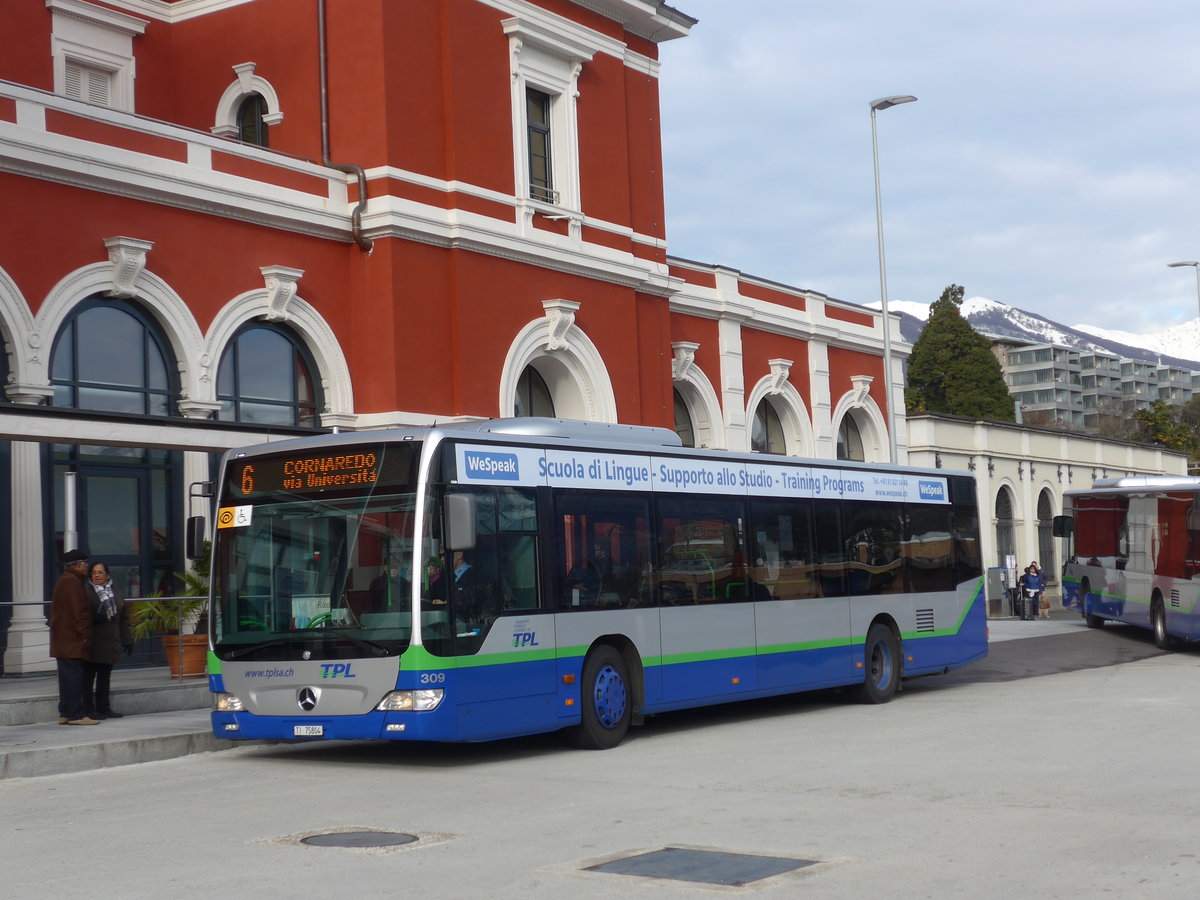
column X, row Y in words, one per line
column 509, row 577
column 1134, row 554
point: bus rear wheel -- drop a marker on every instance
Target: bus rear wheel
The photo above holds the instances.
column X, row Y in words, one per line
column 882, row 661
column 1085, row 605
column 605, row 700
column 1158, row 623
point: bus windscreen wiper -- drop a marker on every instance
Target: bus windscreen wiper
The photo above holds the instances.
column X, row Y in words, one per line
column 379, row 649
column 243, row 651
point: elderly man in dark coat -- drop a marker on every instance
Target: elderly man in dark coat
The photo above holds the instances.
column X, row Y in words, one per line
column 71, row 637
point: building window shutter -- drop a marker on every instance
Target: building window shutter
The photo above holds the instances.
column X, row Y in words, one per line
column 88, row 83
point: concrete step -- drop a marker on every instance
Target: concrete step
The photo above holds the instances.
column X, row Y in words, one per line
column 29, row 700
column 51, row 749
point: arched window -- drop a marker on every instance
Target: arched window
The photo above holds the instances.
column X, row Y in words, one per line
column 683, row 421
column 1004, row 525
column 251, row 127
column 766, row 434
column 849, row 440
column 266, row 377
column 533, row 396
column 111, row 356
column 1045, row 528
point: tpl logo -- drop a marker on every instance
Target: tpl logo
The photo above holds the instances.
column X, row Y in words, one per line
column 336, row 670
column 525, row 639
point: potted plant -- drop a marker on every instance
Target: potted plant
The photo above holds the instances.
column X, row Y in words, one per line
column 180, row 621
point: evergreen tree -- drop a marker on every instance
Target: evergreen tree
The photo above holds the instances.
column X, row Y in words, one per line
column 1160, row 424
column 952, row 368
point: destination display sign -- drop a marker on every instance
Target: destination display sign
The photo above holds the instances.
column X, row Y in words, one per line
column 342, row 472
column 529, row 466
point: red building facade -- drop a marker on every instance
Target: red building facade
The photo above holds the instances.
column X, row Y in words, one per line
column 228, row 221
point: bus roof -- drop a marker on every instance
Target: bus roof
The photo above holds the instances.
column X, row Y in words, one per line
column 560, row 432
column 1139, row 484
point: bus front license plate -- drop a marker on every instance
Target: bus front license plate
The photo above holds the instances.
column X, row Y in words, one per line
column 308, row 730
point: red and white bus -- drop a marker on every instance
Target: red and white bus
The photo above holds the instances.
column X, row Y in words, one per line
column 1134, row 554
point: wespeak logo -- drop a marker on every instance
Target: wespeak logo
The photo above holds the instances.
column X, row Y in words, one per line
column 931, row 490
column 502, row 466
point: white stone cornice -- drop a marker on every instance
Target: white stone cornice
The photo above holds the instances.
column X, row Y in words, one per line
column 173, row 11
column 780, row 370
column 862, row 388
column 98, row 15
column 281, row 282
column 128, row 258
column 571, row 42
column 197, row 409
column 27, row 394
column 684, row 359
column 27, row 149
column 561, row 316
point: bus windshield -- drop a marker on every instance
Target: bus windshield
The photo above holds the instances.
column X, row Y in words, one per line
column 313, row 556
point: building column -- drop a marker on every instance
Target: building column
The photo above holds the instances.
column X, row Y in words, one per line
column 820, row 401
column 733, row 384
column 28, row 633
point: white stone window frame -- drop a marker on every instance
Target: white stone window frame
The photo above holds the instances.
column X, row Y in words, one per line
column 97, row 39
column 547, row 54
column 246, row 84
column 567, row 360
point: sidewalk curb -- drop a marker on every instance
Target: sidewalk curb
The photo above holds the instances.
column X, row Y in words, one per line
column 35, row 760
column 27, row 751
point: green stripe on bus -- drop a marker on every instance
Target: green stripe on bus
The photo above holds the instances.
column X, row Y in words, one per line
column 418, row 658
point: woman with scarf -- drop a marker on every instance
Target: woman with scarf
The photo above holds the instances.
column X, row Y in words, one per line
column 112, row 631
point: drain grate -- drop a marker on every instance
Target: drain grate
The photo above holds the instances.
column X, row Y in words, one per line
column 702, row 866
column 359, row 839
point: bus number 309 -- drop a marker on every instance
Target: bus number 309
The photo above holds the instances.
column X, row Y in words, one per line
column 433, row 678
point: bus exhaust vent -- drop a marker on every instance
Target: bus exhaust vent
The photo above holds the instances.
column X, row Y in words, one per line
column 1175, row 600
column 925, row 620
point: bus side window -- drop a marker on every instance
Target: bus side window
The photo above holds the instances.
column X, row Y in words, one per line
column 702, row 560
column 831, row 553
column 929, row 548
column 602, row 550
column 783, row 549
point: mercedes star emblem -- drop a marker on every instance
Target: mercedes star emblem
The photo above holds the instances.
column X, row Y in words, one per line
column 307, row 698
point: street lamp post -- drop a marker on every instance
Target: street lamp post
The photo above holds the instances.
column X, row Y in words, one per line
column 885, row 103
column 1196, row 266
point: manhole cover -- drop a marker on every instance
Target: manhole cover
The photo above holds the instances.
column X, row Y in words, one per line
column 359, row 839
column 703, row 866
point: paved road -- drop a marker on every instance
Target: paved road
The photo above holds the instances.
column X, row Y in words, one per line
column 1063, row 766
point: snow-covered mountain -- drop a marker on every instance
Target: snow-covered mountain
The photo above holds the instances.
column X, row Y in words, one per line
column 1175, row 346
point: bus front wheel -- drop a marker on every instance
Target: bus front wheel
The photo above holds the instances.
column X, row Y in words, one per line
column 605, row 700
column 882, row 661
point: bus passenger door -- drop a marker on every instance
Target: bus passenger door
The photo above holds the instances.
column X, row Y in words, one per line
column 506, row 680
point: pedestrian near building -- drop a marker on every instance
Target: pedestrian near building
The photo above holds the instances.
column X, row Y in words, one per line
column 71, row 637
column 1033, row 582
column 112, row 633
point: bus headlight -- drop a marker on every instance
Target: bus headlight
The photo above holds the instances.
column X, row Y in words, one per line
column 407, row 701
column 228, row 703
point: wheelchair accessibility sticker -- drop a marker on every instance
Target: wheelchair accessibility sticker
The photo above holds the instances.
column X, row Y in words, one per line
column 234, row 516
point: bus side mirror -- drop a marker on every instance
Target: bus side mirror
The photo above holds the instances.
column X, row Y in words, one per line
column 1063, row 526
column 460, row 521
column 195, row 537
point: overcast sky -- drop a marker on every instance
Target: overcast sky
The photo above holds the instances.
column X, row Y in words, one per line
column 1051, row 162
